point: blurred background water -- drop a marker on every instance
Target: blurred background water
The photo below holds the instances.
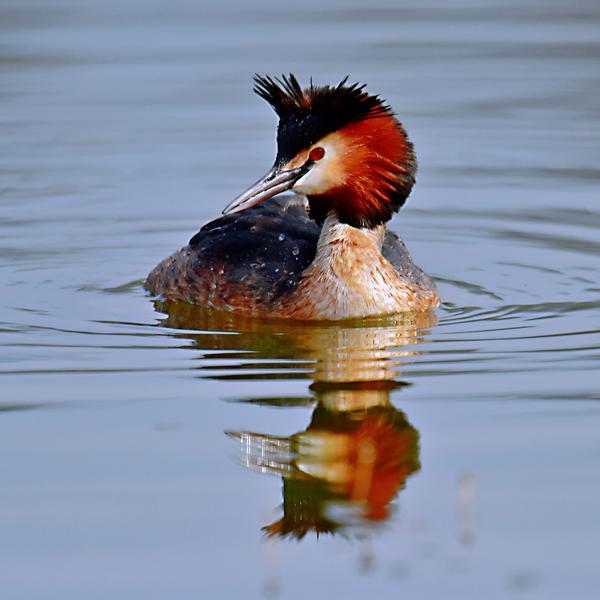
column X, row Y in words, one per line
column 125, row 432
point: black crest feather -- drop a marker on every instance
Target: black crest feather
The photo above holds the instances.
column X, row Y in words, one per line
column 306, row 115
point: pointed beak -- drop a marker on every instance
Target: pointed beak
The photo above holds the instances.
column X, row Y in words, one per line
column 273, row 183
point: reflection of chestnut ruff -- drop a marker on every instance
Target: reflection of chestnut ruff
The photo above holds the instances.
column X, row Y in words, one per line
column 343, row 470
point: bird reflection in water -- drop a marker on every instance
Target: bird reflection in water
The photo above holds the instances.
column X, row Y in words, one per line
column 342, row 472
column 347, row 465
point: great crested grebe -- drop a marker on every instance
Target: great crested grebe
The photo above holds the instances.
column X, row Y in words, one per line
column 325, row 254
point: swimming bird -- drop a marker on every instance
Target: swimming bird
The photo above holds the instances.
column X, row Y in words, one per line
column 324, row 253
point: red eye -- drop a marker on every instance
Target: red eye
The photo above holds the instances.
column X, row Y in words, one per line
column 316, row 154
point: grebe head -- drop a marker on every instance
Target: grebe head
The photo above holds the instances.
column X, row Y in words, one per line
column 341, row 147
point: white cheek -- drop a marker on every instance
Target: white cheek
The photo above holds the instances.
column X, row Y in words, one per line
column 311, row 183
column 323, row 175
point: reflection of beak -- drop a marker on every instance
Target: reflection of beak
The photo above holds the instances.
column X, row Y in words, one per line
column 273, row 183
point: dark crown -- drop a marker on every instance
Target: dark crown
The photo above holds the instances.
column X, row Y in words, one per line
column 307, row 115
